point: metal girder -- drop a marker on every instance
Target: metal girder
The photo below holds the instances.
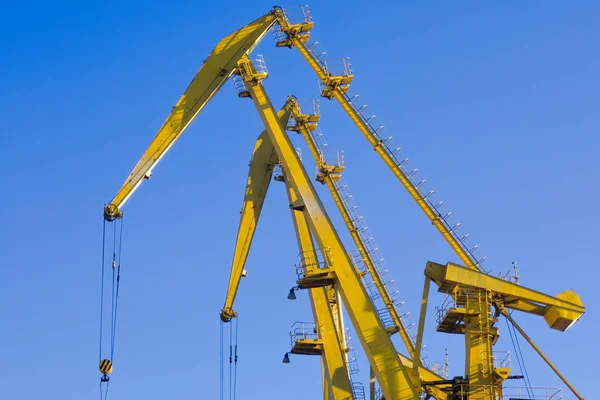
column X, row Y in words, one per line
column 393, row 377
column 333, row 349
column 337, row 87
column 337, row 383
column 305, row 126
column 560, row 311
column 217, row 68
column 264, row 159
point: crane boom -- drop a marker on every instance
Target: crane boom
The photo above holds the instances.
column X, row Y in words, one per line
column 217, row 68
column 262, row 163
column 264, row 158
column 337, row 86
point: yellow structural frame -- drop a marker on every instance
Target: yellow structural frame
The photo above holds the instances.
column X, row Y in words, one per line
column 475, row 293
column 336, row 87
column 264, row 159
column 216, row 69
column 336, row 382
column 334, row 354
column 305, row 124
column 393, row 377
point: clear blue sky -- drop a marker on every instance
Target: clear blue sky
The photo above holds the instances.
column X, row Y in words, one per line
column 497, row 105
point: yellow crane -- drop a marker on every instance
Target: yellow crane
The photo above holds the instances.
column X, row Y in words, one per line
column 396, row 375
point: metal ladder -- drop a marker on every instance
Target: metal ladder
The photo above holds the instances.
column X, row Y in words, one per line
column 358, row 389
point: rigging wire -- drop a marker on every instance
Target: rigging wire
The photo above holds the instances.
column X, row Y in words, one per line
column 102, row 287
column 520, row 360
column 221, row 380
column 104, row 395
column 116, row 281
column 230, row 359
column 105, row 364
column 525, row 372
column 112, row 293
column 235, row 359
column 221, row 364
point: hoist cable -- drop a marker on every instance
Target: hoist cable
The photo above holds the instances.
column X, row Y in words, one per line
column 106, row 364
column 525, row 372
column 112, row 293
column 102, row 288
column 116, row 289
column 221, row 363
column 235, row 357
column 520, row 360
column 230, row 358
column 104, row 395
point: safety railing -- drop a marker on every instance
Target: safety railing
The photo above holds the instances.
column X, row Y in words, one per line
column 333, row 158
column 358, row 390
column 240, row 86
column 301, row 15
column 278, row 173
column 458, row 300
column 309, row 261
column 339, row 66
column 442, row 309
column 298, row 14
column 378, row 393
column 350, row 353
column 533, row 393
column 501, row 359
column 440, row 368
column 258, row 62
column 507, row 392
column 247, row 70
column 303, row 331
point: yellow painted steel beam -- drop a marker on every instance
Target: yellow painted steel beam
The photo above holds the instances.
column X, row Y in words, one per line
column 426, row 374
column 264, row 159
column 334, row 356
column 566, row 305
column 217, row 68
column 338, row 92
column 422, row 314
column 304, row 128
column 393, row 377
